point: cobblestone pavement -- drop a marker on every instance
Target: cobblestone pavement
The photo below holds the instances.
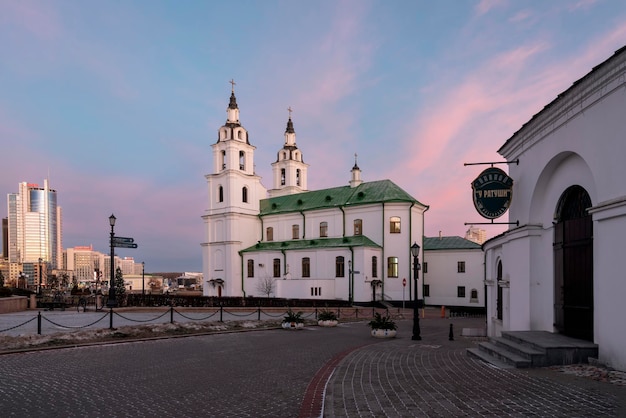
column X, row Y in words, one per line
column 279, row 373
column 435, row 378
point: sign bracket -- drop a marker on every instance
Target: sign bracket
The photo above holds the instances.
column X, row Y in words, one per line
column 491, row 163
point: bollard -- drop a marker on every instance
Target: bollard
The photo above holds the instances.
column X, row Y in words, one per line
column 443, row 311
column 221, row 313
column 39, row 323
column 258, row 316
column 171, row 315
column 451, row 335
column 111, row 317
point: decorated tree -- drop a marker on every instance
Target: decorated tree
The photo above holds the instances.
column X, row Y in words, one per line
column 120, row 288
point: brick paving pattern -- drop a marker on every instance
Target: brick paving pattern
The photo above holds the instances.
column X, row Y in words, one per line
column 277, row 373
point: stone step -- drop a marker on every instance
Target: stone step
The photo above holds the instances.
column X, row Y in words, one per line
column 502, row 354
column 487, row 358
column 537, row 357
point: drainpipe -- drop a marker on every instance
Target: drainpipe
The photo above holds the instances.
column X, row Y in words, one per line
column 262, row 227
column 343, row 221
column 303, row 225
column 243, row 290
column 351, row 276
column 284, row 261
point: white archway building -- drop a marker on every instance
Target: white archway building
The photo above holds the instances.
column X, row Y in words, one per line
column 561, row 269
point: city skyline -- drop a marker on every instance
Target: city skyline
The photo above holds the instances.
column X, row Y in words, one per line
column 117, row 105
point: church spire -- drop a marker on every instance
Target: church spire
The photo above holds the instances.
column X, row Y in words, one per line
column 233, row 109
column 356, row 174
column 233, row 99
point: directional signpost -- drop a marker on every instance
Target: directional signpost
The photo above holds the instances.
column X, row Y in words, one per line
column 124, row 242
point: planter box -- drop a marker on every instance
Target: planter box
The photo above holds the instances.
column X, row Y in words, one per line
column 293, row 325
column 384, row 333
column 328, row 323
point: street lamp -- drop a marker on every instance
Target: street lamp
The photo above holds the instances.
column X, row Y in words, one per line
column 39, row 287
column 112, row 302
column 415, row 252
column 143, row 282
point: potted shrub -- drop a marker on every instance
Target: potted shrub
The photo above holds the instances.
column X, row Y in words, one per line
column 293, row 320
column 327, row 318
column 382, row 326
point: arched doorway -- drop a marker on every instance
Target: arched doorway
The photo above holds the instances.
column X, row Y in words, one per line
column 573, row 265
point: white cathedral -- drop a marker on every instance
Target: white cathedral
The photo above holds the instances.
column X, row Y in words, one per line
column 349, row 243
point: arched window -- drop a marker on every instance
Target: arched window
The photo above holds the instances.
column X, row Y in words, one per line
column 223, row 160
column 473, row 296
column 358, row 227
column 277, row 267
column 242, row 159
column 220, row 194
column 323, row 229
column 394, row 225
column 250, row 268
column 306, row 267
column 339, row 267
column 239, row 134
column 244, row 195
column 269, row 233
column 374, row 266
column 298, row 177
column 392, row 267
column 295, row 231
column 282, row 176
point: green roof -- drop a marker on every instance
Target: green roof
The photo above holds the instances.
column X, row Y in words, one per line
column 316, row 243
column 363, row 194
column 449, row 243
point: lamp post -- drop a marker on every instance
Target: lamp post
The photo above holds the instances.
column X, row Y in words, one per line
column 39, row 286
column 415, row 251
column 112, row 301
column 143, row 282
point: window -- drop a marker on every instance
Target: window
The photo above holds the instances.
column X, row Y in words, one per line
column 358, row 226
column 223, row 160
column 425, row 267
column 394, row 225
column 244, row 195
column 474, row 296
column 250, row 268
column 306, row 267
column 316, row 291
column 269, row 232
column 392, row 267
column 277, row 267
column 295, row 231
column 426, row 290
column 298, row 177
column 460, row 291
column 242, row 158
column 374, row 266
column 282, row 176
column 323, row 229
column 220, row 192
column 339, row 267
column 460, row 266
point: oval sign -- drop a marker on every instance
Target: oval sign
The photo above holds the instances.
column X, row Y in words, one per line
column 493, row 191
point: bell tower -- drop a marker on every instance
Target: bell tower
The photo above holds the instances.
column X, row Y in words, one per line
column 231, row 219
column 289, row 170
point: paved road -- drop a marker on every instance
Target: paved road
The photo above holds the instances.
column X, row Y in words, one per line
column 280, row 373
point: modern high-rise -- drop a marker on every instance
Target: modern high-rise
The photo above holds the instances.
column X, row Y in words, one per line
column 34, row 226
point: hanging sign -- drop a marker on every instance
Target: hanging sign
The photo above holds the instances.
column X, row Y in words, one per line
column 493, row 191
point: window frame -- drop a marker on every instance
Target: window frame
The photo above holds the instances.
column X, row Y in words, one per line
column 395, row 225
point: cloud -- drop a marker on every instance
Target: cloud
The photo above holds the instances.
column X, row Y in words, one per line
column 37, row 18
column 485, row 6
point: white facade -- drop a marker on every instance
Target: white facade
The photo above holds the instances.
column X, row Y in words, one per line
column 350, row 242
column 570, row 163
column 453, row 270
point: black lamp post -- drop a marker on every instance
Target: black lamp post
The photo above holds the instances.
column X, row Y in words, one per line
column 112, row 301
column 143, row 282
column 39, row 287
column 415, row 252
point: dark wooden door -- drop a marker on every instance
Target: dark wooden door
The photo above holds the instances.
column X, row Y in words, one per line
column 573, row 267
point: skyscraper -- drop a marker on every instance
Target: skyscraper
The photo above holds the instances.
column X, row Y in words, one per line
column 34, row 225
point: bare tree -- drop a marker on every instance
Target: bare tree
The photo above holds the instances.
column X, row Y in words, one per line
column 266, row 285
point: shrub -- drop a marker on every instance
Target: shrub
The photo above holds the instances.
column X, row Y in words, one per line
column 5, row 292
column 326, row 315
column 382, row 322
